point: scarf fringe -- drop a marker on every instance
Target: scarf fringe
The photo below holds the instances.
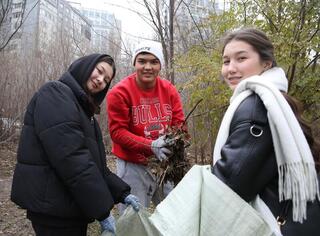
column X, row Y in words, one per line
column 299, row 182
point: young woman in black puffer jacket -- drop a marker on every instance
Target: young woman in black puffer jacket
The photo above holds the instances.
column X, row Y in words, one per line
column 61, row 177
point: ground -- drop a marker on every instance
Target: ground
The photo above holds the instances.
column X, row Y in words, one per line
column 13, row 220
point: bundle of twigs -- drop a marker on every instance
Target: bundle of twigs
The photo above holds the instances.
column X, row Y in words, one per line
column 174, row 168
column 177, row 165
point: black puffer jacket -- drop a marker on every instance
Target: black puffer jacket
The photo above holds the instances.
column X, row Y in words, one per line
column 248, row 165
column 61, row 176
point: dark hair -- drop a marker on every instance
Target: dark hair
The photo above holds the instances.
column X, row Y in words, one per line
column 257, row 39
column 314, row 144
column 93, row 104
column 264, row 47
column 108, row 59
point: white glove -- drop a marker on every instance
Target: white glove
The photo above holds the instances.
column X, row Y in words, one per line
column 159, row 149
column 108, row 224
column 133, row 201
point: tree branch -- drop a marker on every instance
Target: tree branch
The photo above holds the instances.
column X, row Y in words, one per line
column 22, row 20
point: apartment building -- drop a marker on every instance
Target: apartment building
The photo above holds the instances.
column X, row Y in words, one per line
column 105, row 31
column 45, row 23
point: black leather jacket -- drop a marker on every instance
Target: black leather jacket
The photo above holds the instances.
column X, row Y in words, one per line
column 248, row 165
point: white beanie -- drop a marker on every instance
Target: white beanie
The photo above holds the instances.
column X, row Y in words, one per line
column 154, row 48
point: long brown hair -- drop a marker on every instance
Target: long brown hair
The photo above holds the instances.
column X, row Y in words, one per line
column 314, row 144
column 264, row 47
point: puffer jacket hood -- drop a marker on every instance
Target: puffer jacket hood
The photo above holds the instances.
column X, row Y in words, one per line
column 81, row 70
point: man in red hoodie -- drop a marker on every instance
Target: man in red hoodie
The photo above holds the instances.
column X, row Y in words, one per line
column 140, row 109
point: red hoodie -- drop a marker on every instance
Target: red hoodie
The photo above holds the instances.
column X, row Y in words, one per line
column 137, row 117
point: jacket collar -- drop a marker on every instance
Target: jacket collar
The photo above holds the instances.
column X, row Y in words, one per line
column 77, row 90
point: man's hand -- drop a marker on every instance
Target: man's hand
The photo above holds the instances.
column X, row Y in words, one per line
column 158, row 147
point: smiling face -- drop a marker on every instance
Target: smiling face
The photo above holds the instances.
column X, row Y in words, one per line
column 100, row 77
column 241, row 61
column 147, row 67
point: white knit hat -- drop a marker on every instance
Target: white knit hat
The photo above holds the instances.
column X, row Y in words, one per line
column 154, row 48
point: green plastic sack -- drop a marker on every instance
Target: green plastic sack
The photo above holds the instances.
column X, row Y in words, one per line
column 135, row 223
column 200, row 205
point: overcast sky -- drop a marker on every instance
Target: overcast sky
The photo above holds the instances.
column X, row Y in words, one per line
column 132, row 25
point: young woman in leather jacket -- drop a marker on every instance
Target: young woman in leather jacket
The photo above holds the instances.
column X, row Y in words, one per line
column 250, row 152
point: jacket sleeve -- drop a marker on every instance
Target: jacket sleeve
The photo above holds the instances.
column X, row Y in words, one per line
column 119, row 119
column 119, row 189
column 247, row 162
column 57, row 124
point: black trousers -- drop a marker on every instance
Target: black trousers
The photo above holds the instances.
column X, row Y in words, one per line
column 44, row 230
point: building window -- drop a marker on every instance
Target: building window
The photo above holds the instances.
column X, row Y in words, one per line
column 86, row 32
column 17, row 25
column 16, row 15
column 12, row 47
column 16, row 5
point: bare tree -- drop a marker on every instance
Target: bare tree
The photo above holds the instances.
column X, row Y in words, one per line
column 12, row 16
column 157, row 21
column 21, row 76
column 171, row 42
column 168, row 24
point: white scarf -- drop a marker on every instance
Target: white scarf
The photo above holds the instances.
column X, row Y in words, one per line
column 297, row 174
